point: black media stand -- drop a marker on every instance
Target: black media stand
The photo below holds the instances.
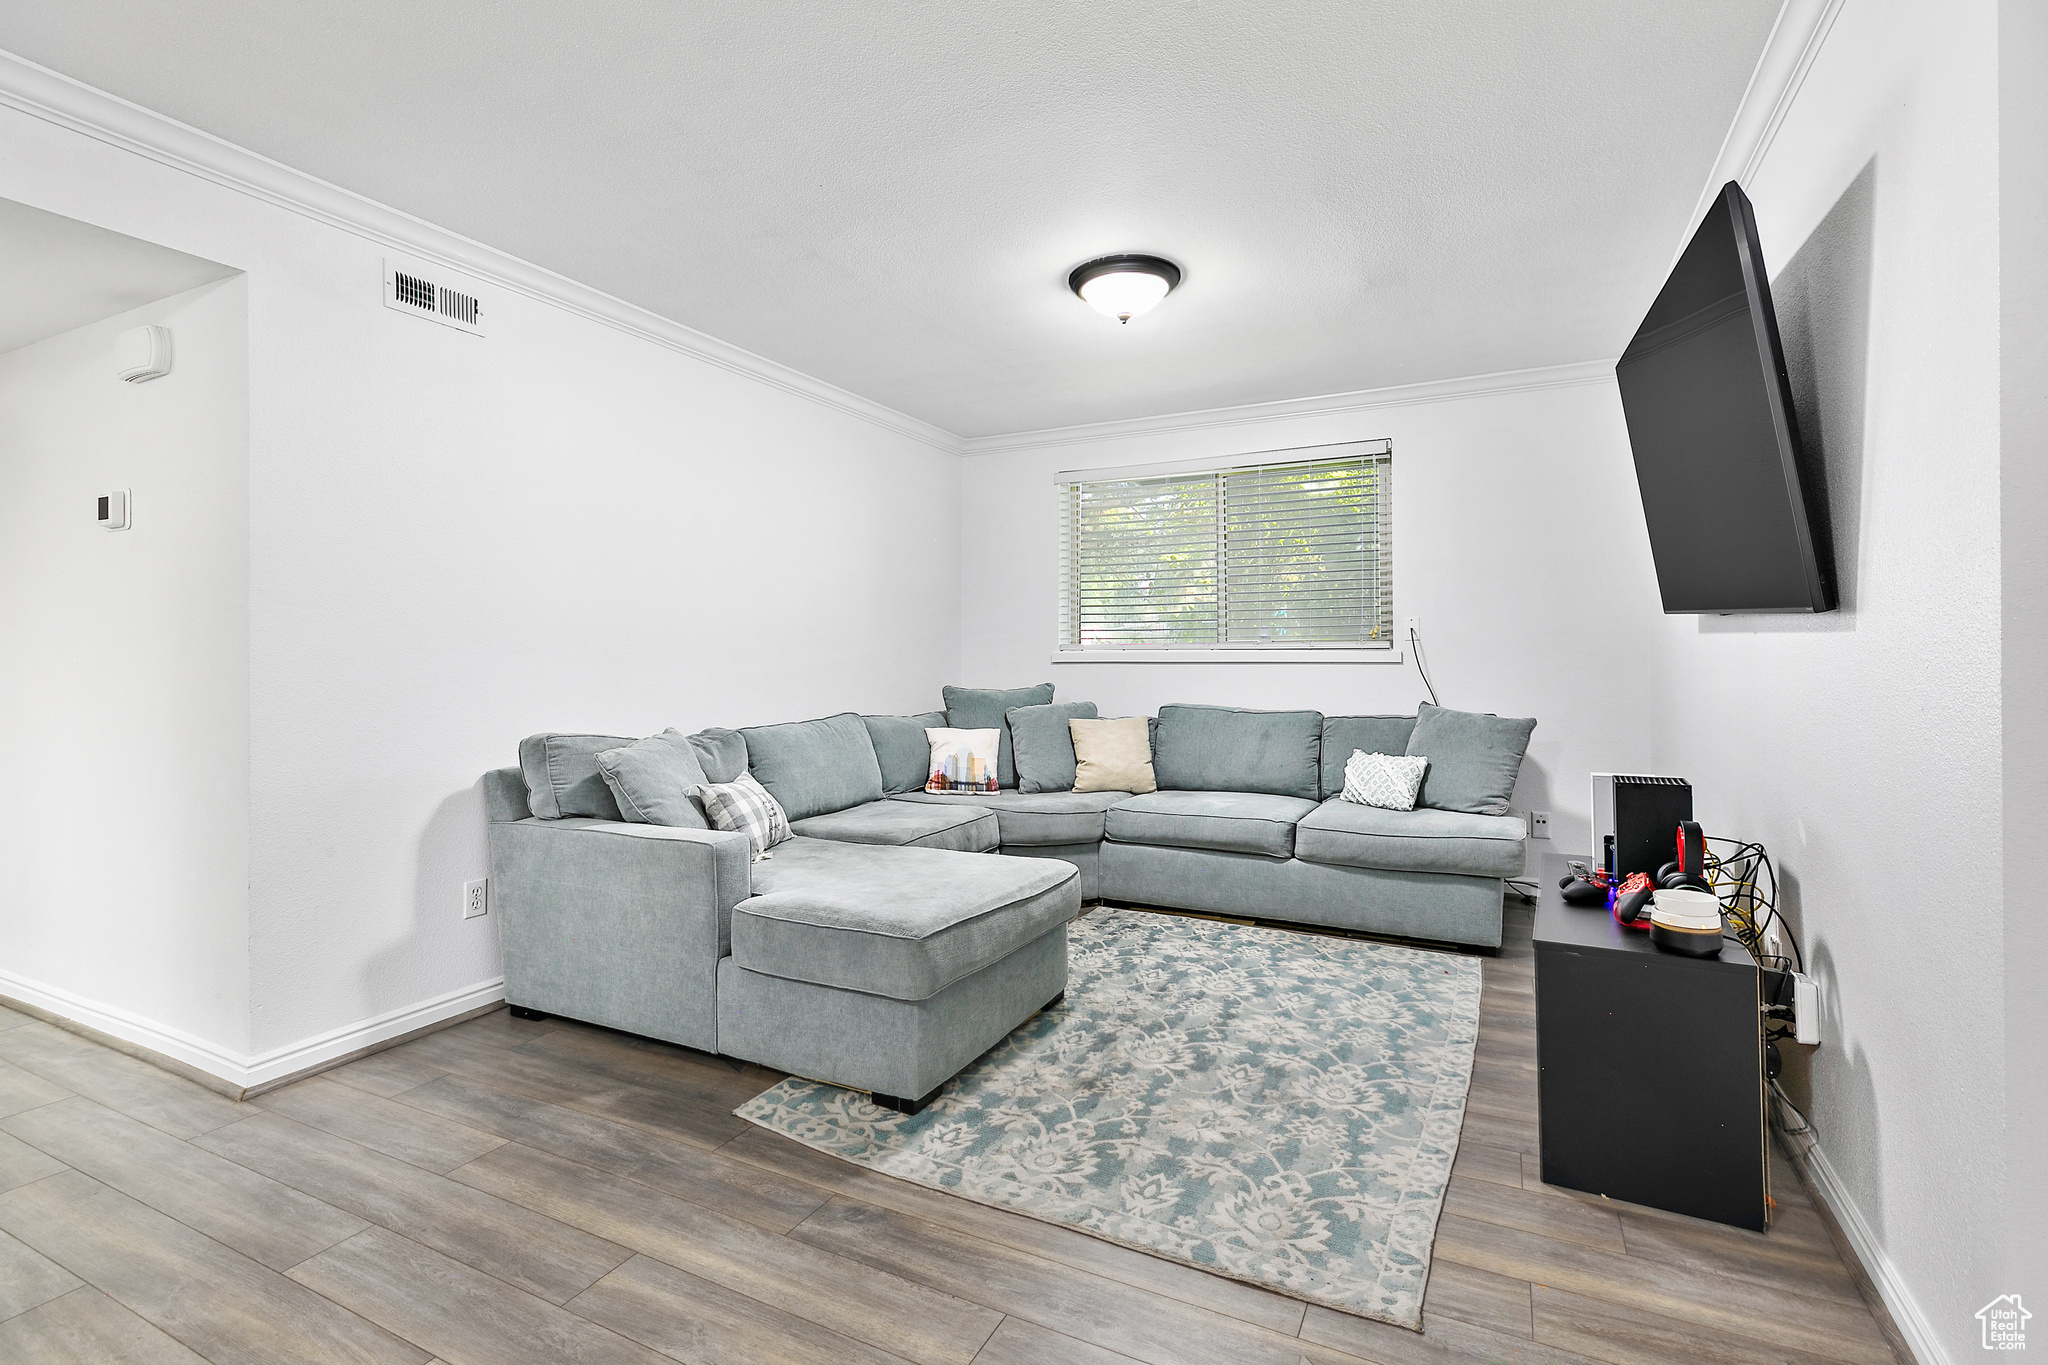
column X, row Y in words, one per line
column 1650, row 1066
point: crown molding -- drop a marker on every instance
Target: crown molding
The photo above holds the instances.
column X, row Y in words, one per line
column 1801, row 29
column 1327, row 405
column 58, row 99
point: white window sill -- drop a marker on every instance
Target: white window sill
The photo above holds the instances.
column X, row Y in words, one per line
column 1228, row 656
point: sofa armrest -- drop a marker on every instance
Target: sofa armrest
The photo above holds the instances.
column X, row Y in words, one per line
column 619, row 924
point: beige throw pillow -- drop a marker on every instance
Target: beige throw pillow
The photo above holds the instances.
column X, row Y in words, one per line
column 1113, row 755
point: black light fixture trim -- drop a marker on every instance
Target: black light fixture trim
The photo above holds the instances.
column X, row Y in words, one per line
column 1125, row 264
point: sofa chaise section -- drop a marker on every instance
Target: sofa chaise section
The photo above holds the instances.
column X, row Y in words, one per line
column 862, row 959
column 888, row 969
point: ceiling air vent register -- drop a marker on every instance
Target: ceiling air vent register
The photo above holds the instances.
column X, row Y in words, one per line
column 424, row 292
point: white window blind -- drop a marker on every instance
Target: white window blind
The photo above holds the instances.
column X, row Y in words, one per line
column 1292, row 552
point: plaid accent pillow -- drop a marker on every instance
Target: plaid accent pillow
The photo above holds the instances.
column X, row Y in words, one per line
column 1388, row 781
column 745, row 807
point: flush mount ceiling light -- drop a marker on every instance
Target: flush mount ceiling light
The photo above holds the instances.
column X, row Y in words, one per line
column 1122, row 287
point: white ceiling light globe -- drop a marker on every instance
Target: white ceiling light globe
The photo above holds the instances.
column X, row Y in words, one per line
column 1122, row 287
column 1123, row 294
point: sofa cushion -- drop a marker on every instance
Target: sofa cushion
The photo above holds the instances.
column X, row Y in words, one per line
column 562, row 778
column 722, row 752
column 901, row 748
column 1225, row 749
column 1042, row 745
column 1036, row 819
column 1235, row 822
column 955, row 825
column 899, row 922
column 1374, row 734
column 1473, row 759
column 652, row 779
column 815, row 766
column 984, row 708
column 1351, row 835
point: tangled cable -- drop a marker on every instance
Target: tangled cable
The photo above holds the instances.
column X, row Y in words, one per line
column 1746, row 884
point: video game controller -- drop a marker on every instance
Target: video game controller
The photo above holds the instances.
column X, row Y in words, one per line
column 1584, row 886
column 1634, row 898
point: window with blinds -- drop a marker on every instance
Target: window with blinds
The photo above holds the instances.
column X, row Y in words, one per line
column 1292, row 552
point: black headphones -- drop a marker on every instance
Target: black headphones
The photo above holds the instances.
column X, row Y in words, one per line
column 1688, row 872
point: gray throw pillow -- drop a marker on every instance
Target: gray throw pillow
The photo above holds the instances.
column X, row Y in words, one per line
column 652, row 779
column 1232, row 749
column 902, row 749
column 1043, row 745
column 984, row 708
column 722, row 752
column 815, row 767
column 562, row 777
column 1346, row 735
column 1473, row 759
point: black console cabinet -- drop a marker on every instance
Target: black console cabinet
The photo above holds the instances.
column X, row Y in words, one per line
column 1650, row 1067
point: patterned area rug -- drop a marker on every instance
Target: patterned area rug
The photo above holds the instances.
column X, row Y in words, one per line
column 1277, row 1107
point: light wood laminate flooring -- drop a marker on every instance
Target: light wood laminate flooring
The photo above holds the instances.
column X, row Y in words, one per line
column 506, row 1192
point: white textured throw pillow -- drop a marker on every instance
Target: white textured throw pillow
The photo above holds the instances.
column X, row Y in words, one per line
column 1388, row 781
column 744, row 806
column 963, row 761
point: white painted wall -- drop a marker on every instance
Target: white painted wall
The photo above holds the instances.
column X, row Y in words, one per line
column 1517, row 539
column 2023, row 546
column 1864, row 747
column 454, row 542
column 124, row 784
column 458, row 542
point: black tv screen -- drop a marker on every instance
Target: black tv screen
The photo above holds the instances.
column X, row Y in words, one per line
column 1737, row 516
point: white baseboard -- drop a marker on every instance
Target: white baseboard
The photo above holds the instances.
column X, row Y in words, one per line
column 1905, row 1310
column 242, row 1072
column 285, row 1061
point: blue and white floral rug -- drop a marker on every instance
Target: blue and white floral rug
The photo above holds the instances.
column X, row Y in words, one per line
column 1277, row 1107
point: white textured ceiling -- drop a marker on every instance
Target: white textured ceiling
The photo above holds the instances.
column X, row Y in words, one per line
column 890, row 195
column 57, row 273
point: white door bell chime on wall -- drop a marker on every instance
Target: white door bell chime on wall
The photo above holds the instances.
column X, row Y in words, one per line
column 142, row 354
column 113, row 510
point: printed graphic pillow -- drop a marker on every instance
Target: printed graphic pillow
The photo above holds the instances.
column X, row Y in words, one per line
column 743, row 806
column 1388, row 781
column 963, row 761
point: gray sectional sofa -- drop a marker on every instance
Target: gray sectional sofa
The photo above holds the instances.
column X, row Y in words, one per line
column 876, row 951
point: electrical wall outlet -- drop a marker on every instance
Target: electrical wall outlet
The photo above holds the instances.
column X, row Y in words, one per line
column 1805, row 1008
column 476, row 898
column 1414, row 626
column 1539, row 824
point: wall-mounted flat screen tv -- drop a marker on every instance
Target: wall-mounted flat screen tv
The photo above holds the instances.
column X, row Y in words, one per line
column 1737, row 512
